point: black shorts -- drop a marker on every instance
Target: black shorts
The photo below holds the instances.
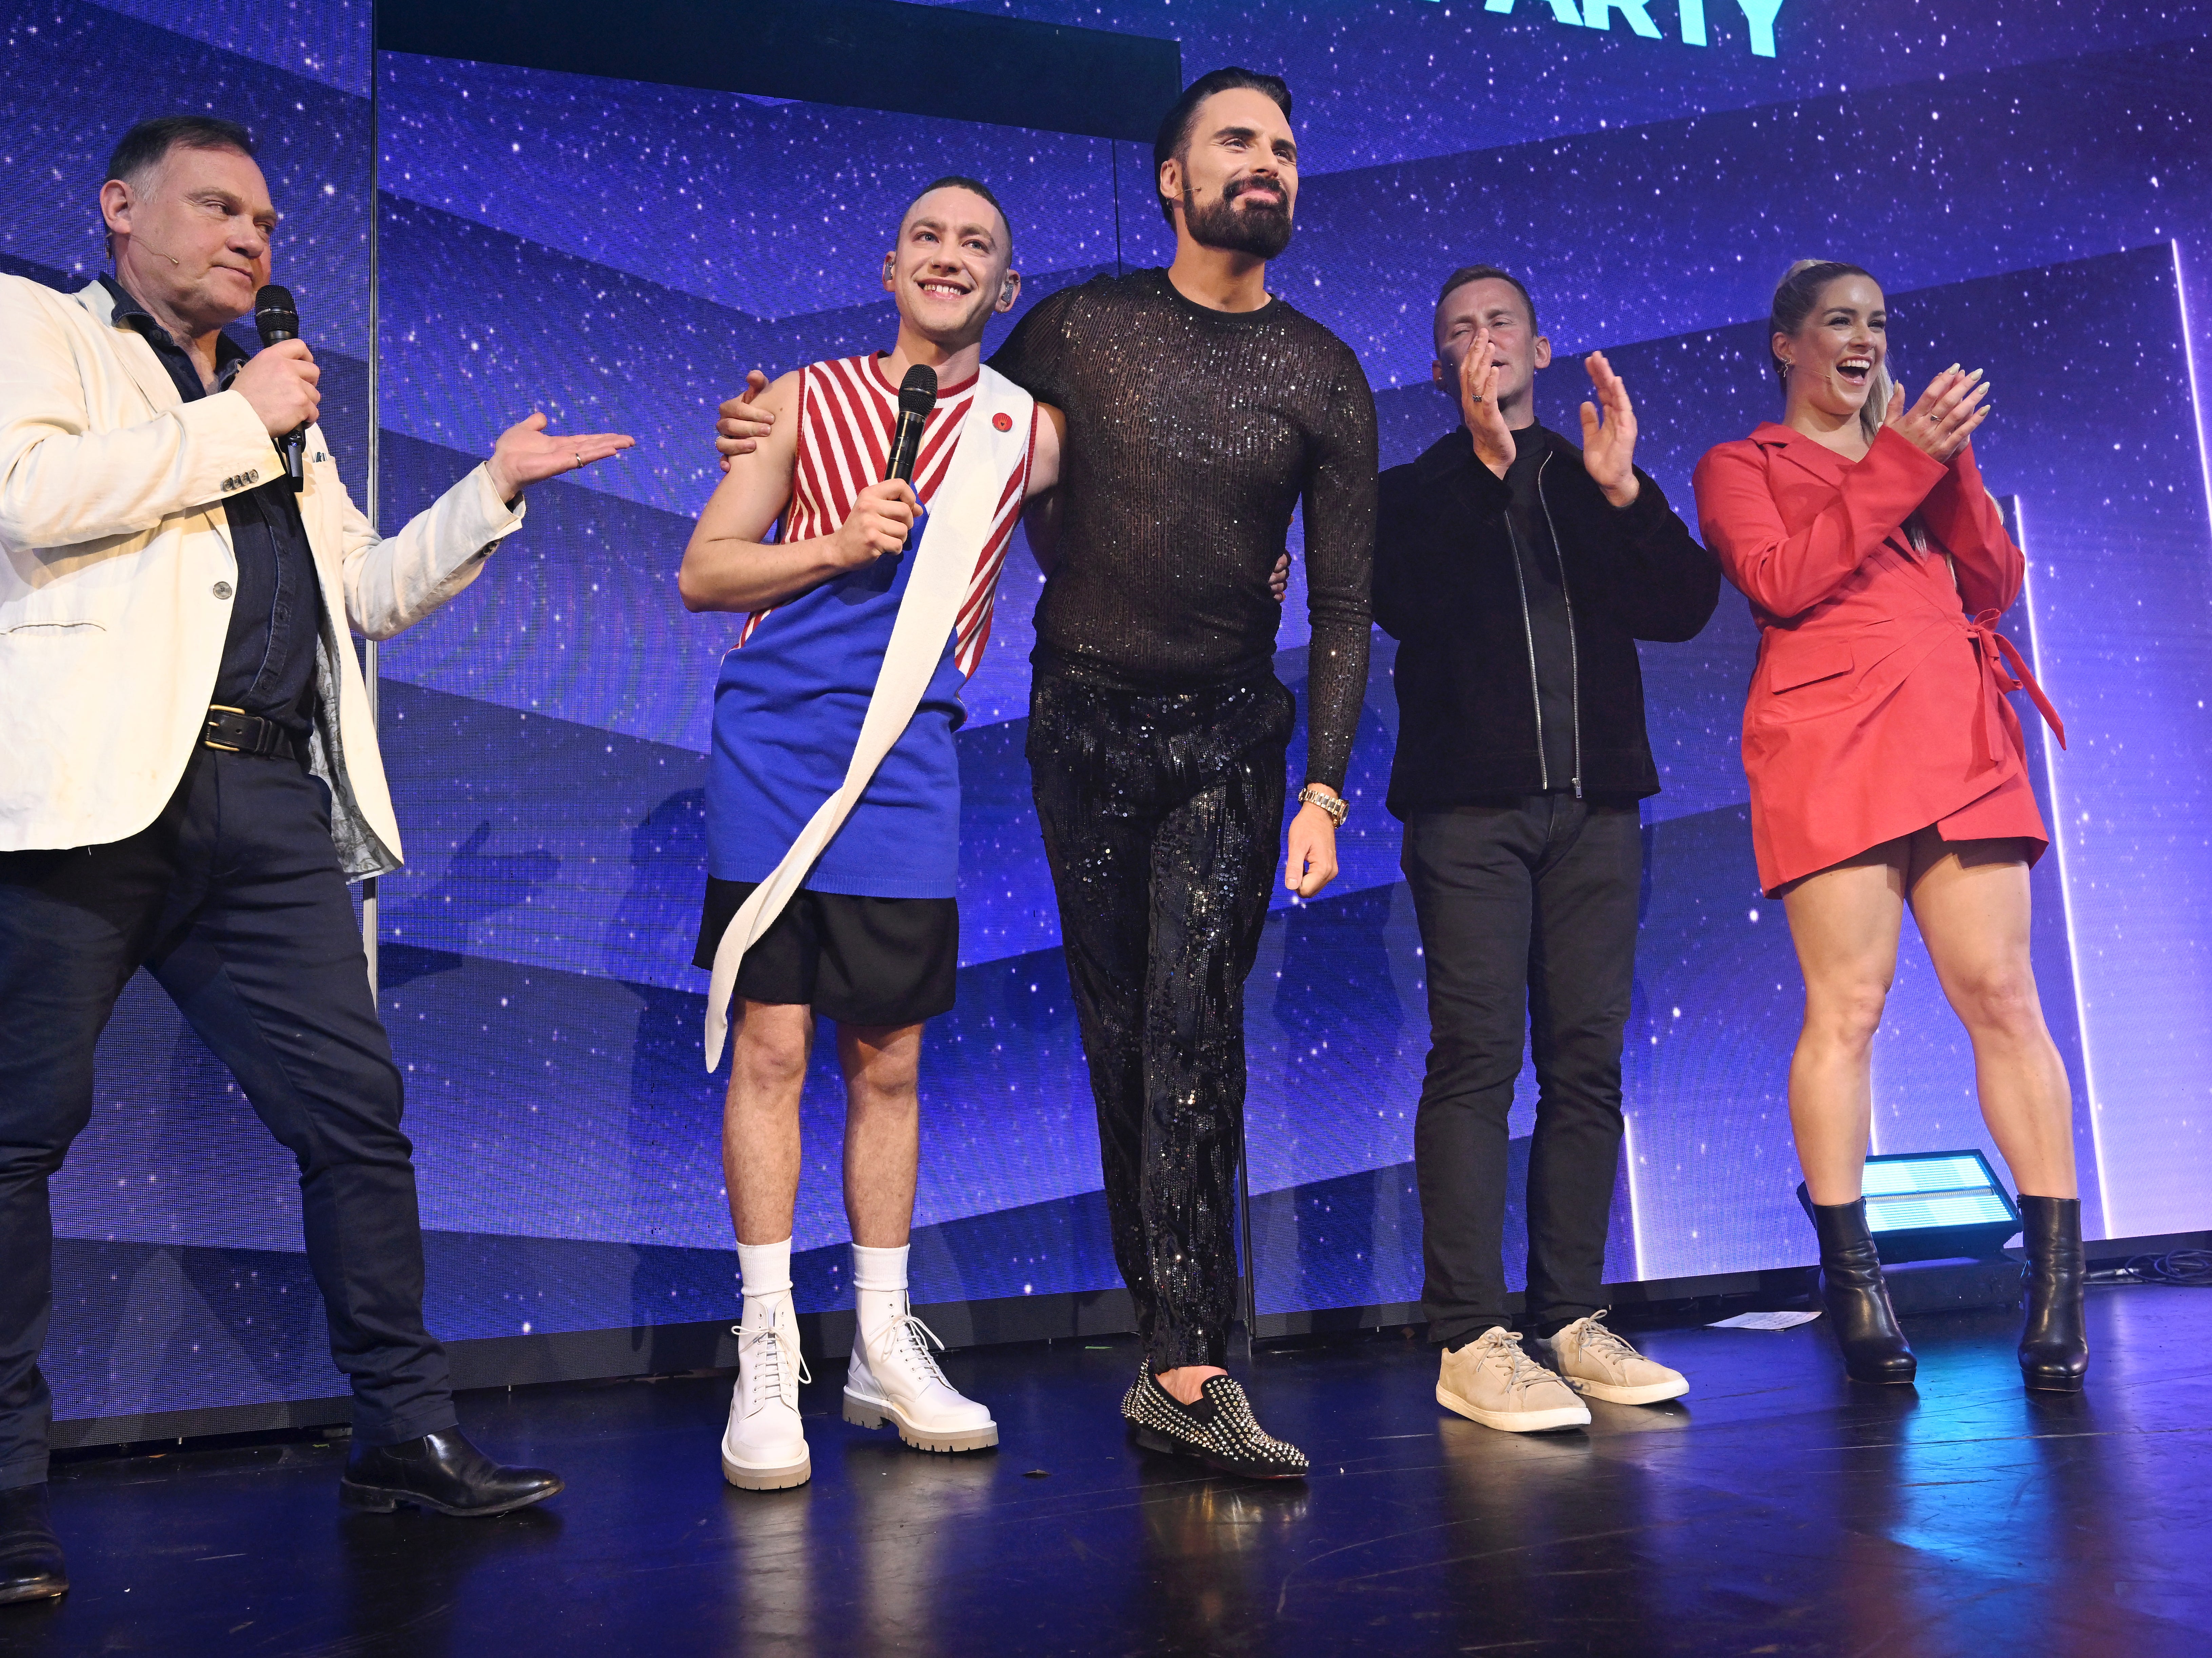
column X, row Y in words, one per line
column 858, row 961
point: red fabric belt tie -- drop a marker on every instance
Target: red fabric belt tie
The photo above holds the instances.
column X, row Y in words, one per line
column 2001, row 663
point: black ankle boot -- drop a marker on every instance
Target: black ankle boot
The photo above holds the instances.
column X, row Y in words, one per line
column 1858, row 1303
column 2054, row 1352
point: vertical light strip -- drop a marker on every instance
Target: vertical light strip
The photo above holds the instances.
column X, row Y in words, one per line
column 2060, row 827
column 368, row 895
column 2189, row 356
column 1635, row 1200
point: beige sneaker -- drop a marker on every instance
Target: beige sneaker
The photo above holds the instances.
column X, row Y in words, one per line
column 1592, row 1360
column 1491, row 1381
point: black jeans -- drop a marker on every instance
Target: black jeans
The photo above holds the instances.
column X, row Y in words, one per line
column 1161, row 816
column 234, row 900
column 1527, row 917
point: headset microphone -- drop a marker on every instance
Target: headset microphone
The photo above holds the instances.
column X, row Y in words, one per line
column 275, row 318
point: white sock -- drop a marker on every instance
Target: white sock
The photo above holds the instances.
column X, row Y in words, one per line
column 878, row 1286
column 764, row 1270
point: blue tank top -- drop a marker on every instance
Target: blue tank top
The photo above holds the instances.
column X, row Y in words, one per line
column 791, row 696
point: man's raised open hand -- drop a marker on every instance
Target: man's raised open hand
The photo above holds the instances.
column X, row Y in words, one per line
column 1609, row 449
column 527, row 453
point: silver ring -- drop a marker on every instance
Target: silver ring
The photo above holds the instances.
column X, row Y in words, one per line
column 579, row 456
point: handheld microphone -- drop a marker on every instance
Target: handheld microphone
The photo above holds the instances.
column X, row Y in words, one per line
column 917, row 397
column 275, row 318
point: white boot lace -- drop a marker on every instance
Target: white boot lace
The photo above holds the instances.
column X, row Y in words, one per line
column 907, row 1338
column 768, row 1350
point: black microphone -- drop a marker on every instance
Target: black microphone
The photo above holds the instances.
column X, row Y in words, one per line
column 917, row 397
column 275, row 318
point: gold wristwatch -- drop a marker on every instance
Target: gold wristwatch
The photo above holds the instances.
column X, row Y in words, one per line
column 1329, row 800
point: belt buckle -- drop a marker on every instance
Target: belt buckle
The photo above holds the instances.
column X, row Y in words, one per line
column 207, row 729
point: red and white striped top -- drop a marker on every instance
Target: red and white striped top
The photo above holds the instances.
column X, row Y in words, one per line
column 847, row 412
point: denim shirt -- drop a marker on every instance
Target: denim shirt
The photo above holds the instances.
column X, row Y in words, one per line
column 268, row 654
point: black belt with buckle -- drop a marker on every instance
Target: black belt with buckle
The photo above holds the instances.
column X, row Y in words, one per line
column 236, row 731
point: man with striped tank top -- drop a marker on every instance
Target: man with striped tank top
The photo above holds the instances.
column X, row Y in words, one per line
column 870, row 938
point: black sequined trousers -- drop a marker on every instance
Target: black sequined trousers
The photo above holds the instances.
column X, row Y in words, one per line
column 1162, row 812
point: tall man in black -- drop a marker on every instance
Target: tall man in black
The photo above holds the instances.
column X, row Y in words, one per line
column 188, row 774
column 1517, row 572
column 1200, row 411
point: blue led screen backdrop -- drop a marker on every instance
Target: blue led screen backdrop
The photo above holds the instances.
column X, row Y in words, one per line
column 619, row 253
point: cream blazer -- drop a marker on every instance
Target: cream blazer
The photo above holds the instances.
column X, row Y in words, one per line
column 117, row 575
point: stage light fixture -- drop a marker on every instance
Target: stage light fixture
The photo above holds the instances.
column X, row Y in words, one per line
column 1934, row 1205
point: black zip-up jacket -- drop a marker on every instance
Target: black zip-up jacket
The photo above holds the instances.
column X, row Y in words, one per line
column 1448, row 588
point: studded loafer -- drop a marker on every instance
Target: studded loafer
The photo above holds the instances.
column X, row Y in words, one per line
column 1218, row 1430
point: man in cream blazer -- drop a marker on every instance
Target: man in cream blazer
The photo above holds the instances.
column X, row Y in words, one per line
column 189, row 775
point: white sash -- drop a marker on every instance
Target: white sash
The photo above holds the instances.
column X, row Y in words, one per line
column 953, row 538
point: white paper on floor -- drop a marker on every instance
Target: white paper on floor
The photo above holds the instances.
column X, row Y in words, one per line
column 1764, row 1322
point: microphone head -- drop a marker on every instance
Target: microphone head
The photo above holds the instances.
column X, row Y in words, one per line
column 917, row 392
column 275, row 317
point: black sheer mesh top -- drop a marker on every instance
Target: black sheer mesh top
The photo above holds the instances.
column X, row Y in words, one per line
column 1192, row 434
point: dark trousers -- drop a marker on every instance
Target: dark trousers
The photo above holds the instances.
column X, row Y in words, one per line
column 1161, row 816
column 234, row 900
column 1527, row 917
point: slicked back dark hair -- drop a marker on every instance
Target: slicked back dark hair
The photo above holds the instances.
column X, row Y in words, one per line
column 1488, row 273
column 1173, row 139
column 975, row 186
column 149, row 143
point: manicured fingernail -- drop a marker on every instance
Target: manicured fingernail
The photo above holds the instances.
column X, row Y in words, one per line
column 1952, row 369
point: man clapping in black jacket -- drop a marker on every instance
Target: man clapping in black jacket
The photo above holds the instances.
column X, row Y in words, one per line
column 1517, row 572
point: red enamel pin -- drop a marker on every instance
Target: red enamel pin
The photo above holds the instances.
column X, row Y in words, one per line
column 1003, row 421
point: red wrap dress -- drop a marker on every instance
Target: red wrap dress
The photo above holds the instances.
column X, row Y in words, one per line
column 1878, row 705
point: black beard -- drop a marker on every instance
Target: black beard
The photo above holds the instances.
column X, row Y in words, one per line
column 1261, row 231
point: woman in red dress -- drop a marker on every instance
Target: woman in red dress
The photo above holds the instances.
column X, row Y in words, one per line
column 1888, row 769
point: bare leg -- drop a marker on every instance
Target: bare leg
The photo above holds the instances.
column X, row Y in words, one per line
column 1971, row 900
column 883, row 1130
column 760, row 1120
column 1845, row 922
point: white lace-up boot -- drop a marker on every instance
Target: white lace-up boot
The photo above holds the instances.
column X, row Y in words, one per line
column 894, row 1376
column 764, row 1447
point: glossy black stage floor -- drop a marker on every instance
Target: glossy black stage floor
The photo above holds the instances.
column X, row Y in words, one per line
column 1777, row 1510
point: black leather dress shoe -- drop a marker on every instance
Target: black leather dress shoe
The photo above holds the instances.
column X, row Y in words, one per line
column 440, row 1471
column 30, row 1554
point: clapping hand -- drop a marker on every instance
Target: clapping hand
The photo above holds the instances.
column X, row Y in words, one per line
column 1942, row 421
column 1477, row 405
column 1609, row 449
column 527, row 453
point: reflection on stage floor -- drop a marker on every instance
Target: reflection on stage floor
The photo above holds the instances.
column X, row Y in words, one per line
column 1777, row 1509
